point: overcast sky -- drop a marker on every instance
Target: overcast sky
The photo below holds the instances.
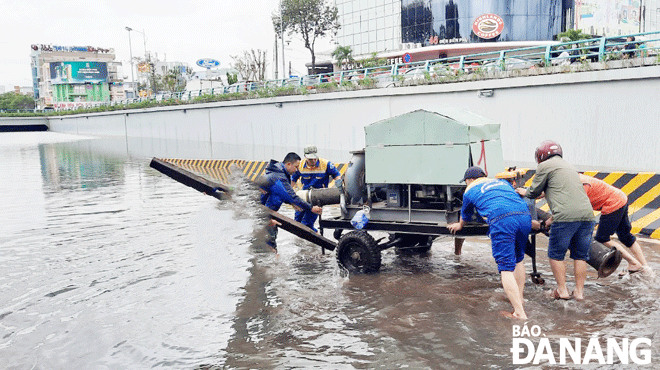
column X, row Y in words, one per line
column 182, row 31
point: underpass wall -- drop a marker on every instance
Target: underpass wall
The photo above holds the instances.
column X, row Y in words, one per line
column 605, row 120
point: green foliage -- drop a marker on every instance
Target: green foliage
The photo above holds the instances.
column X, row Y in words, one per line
column 367, row 82
column 574, row 35
column 327, row 87
column 344, row 55
column 372, row 61
column 173, row 81
column 346, row 83
column 14, row 101
column 310, row 19
column 286, row 90
column 232, row 78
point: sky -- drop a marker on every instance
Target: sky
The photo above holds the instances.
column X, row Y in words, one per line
column 178, row 31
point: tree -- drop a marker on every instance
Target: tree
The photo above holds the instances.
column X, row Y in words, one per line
column 574, row 35
column 11, row 100
column 147, row 70
column 231, row 78
column 372, row 61
column 252, row 65
column 174, row 80
column 344, row 55
column 310, row 19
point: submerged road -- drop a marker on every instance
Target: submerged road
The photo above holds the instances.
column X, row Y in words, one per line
column 107, row 264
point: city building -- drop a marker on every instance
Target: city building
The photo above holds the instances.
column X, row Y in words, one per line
column 432, row 29
column 24, row 90
column 74, row 76
column 617, row 17
column 153, row 70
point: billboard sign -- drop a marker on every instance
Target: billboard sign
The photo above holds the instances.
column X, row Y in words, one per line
column 207, row 63
column 488, row 26
column 144, row 67
column 78, row 72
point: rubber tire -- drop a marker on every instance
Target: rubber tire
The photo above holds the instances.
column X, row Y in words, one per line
column 410, row 241
column 337, row 234
column 358, row 253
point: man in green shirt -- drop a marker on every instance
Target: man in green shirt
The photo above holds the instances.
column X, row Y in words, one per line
column 572, row 216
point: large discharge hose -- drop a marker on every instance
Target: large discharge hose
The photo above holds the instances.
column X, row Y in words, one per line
column 320, row 197
column 315, row 197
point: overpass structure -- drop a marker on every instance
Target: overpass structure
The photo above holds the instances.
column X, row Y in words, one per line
column 23, row 124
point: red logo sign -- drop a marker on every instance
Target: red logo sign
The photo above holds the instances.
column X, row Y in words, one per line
column 488, row 26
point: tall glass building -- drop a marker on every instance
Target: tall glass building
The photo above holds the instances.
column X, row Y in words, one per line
column 387, row 25
column 369, row 26
column 459, row 20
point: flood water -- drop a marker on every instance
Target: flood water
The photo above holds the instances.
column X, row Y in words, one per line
column 107, row 264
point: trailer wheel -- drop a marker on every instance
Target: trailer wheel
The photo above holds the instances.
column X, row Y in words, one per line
column 412, row 243
column 358, row 252
column 337, row 233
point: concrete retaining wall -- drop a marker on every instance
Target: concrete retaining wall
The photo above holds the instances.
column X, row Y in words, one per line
column 605, row 120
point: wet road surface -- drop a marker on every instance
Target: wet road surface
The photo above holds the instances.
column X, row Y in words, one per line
column 107, row 264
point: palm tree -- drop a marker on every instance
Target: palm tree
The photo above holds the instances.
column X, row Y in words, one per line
column 343, row 53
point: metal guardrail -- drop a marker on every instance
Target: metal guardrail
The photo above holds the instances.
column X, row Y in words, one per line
column 592, row 50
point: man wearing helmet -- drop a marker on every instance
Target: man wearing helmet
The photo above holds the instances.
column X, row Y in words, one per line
column 572, row 216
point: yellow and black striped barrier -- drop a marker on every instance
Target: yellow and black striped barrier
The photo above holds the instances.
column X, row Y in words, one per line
column 221, row 169
column 642, row 189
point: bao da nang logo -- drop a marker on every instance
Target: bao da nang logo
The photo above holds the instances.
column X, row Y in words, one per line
column 530, row 346
column 488, row 26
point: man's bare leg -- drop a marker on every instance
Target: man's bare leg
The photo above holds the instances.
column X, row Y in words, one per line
column 513, row 293
column 559, row 271
column 633, row 263
column 519, row 274
column 458, row 245
column 580, row 276
column 636, row 250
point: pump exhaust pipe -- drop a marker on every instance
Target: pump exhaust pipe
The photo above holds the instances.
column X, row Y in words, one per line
column 320, row 197
column 605, row 260
column 315, row 197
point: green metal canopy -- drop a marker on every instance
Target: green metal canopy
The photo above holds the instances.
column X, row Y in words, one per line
column 433, row 148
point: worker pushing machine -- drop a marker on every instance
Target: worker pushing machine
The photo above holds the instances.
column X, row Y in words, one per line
column 509, row 224
column 277, row 190
column 572, row 216
column 613, row 206
column 314, row 173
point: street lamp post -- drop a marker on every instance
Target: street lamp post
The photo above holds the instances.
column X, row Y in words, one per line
column 284, row 75
column 130, row 48
column 144, row 39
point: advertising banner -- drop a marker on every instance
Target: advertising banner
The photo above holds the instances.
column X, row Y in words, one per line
column 78, row 72
column 608, row 17
column 72, row 105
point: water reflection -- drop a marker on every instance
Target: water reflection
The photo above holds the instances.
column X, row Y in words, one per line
column 106, row 263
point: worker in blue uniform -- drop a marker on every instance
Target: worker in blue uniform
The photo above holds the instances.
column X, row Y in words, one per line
column 277, row 190
column 509, row 224
column 314, row 173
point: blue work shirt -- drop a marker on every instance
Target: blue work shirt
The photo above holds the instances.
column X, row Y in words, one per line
column 279, row 190
column 493, row 199
column 315, row 177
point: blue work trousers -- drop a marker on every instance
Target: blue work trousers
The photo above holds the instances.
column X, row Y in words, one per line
column 307, row 218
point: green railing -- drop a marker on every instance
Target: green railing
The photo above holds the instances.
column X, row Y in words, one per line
column 601, row 49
